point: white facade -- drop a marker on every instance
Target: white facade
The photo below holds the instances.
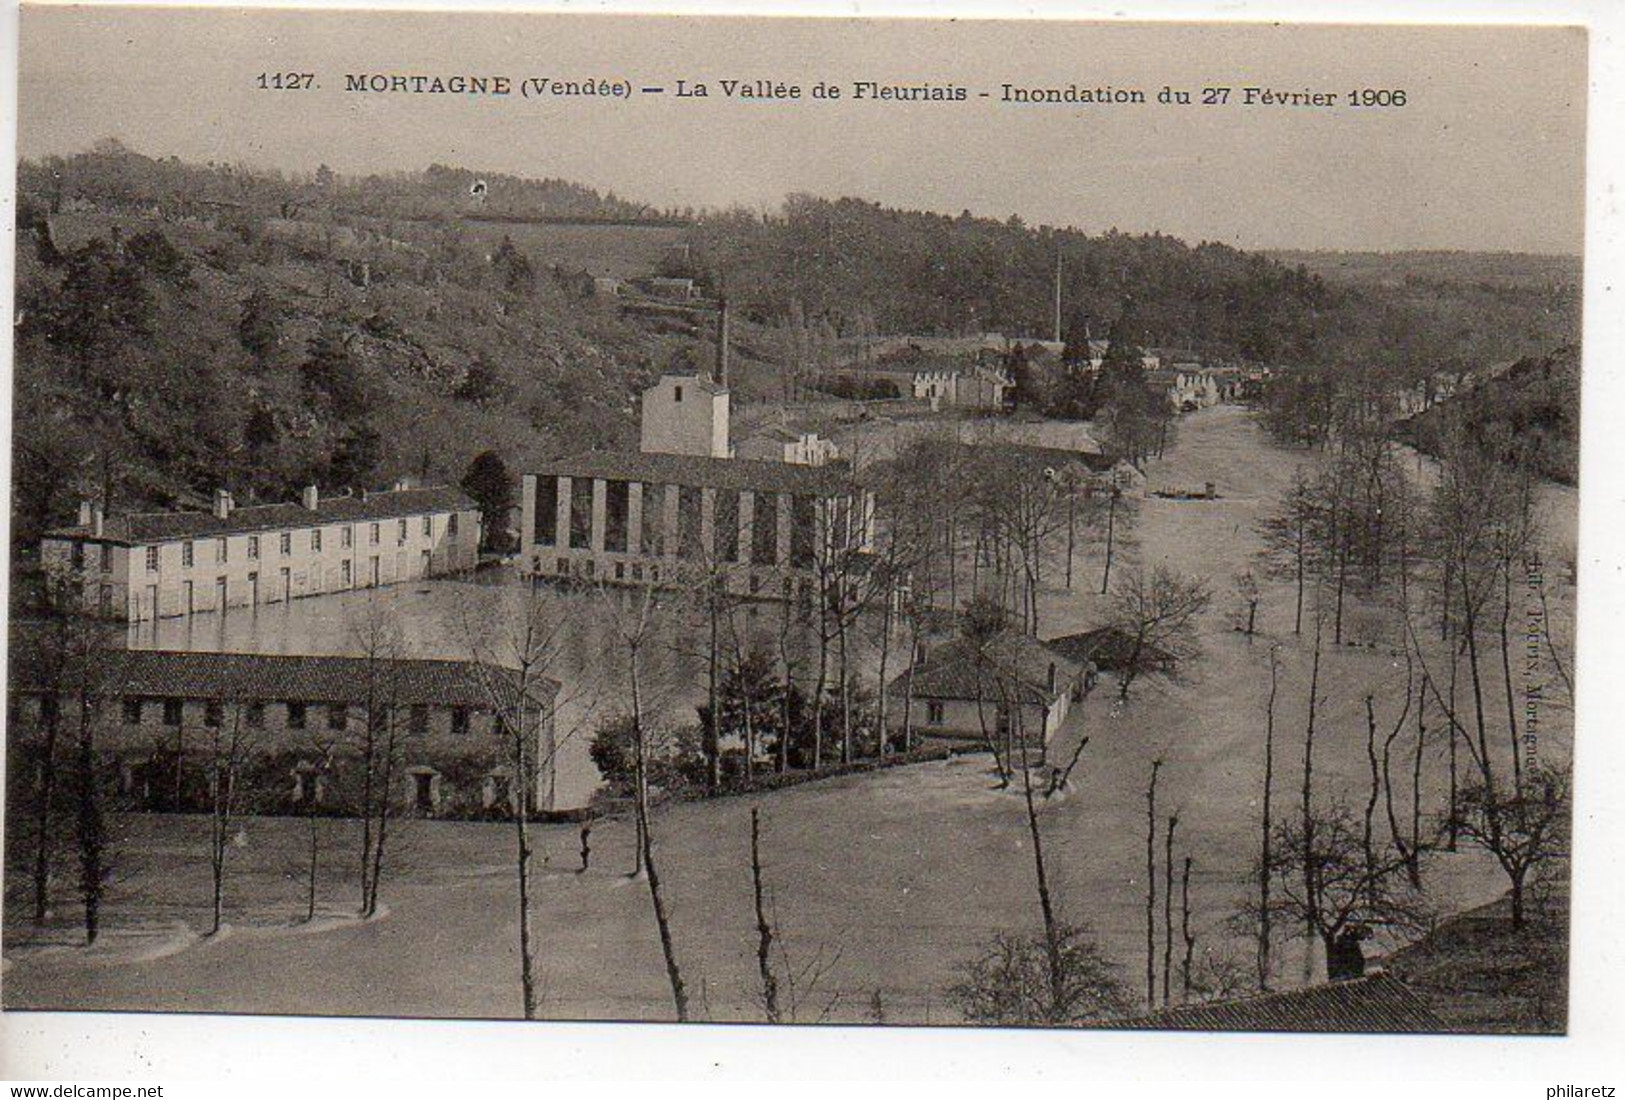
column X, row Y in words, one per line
column 685, row 414
column 133, row 578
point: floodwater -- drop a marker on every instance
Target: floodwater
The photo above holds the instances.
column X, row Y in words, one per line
column 458, row 619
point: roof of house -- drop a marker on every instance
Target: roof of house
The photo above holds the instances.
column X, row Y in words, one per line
column 1011, row 661
column 702, row 382
column 1109, row 647
column 756, row 475
column 148, row 527
column 1376, row 1003
column 318, row 679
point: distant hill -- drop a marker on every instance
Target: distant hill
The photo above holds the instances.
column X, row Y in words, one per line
column 864, row 268
column 1498, row 269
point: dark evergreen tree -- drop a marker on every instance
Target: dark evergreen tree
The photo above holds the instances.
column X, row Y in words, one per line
column 491, row 485
column 257, row 328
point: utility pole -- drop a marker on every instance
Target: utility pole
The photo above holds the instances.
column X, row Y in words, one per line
column 1057, row 291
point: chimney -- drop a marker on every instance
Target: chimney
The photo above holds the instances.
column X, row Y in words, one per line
column 222, row 503
column 310, row 498
column 97, row 521
column 722, row 344
column 84, row 513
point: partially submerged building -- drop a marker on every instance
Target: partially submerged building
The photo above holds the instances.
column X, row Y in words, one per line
column 683, row 507
column 143, row 566
column 963, row 692
column 299, row 727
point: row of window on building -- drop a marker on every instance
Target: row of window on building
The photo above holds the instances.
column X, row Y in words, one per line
column 298, row 713
column 222, row 545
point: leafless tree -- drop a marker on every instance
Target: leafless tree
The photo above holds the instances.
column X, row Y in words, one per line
column 1245, row 585
column 1151, row 885
column 1266, row 824
column 633, row 615
column 764, row 929
column 1524, row 828
column 1287, row 549
column 378, row 640
column 515, row 671
column 230, row 745
column 1168, row 908
column 1157, row 612
column 1325, row 888
column 63, row 657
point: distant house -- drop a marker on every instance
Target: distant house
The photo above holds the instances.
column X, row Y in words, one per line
column 1376, row 1004
column 1111, row 649
column 966, row 381
column 143, row 566
column 673, row 289
column 304, row 720
column 607, row 286
column 966, row 695
column 780, row 444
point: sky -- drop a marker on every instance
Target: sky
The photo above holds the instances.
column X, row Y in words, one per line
column 1486, row 154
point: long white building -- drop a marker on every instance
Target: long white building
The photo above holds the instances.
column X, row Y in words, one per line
column 143, row 566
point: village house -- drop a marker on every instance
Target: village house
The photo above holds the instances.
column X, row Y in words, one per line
column 781, row 444
column 300, row 724
column 683, row 505
column 138, row 567
column 965, row 694
column 966, row 380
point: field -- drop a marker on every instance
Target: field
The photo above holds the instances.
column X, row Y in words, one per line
column 880, row 884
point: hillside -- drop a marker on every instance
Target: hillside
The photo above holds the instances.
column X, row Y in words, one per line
column 1533, row 407
column 168, row 343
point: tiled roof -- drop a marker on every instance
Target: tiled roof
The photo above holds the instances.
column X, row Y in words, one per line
column 954, row 671
column 698, row 470
column 317, row 679
column 1376, row 1003
column 149, row 527
column 1109, row 648
column 703, row 382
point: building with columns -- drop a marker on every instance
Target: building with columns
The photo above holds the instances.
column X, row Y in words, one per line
column 641, row 518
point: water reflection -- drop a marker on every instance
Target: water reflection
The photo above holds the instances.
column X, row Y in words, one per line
column 457, row 618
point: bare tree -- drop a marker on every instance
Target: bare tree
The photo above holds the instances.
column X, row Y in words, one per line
column 764, row 929
column 1157, row 613
column 230, row 745
column 513, row 672
column 1168, row 908
column 1266, row 824
column 62, row 657
column 1151, row 885
column 378, row 640
column 633, row 616
column 1287, row 549
column 1523, row 828
column 1245, row 585
column 1326, row 889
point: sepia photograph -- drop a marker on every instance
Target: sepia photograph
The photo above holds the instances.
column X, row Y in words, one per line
column 674, row 518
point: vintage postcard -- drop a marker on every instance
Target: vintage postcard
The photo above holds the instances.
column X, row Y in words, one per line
column 672, row 518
